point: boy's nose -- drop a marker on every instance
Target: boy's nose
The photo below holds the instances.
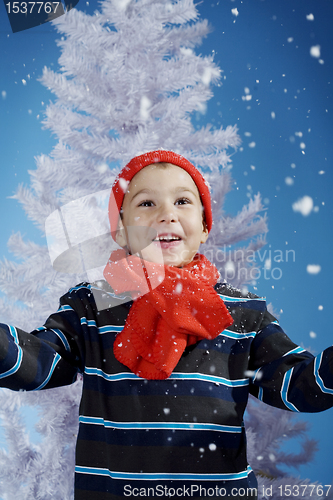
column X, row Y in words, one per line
column 168, row 215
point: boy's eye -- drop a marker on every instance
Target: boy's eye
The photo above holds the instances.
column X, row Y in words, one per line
column 149, row 203
column 183, row 201
column 146, row 203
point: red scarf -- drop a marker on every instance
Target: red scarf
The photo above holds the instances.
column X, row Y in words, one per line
column 173, row 308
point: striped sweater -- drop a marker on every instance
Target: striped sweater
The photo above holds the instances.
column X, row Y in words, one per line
column 144, row 437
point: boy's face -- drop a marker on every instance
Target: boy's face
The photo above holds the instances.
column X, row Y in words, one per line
column 162, row 214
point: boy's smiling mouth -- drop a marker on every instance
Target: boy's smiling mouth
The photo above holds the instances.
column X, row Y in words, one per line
column 167, row 237
column 167, row 240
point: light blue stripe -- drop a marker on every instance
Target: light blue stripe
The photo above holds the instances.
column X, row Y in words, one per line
column 209, row 378
column 110, row 328
column 88, row 322
column 235, row 335
column 16, row 366
column 319, row 380
column 91, row 322
column 62, row 337
column 294, row 351
column 285, row 388
column 174, row 376
column 18, row 362
column 117, row 376
column 14, row 334
column 260, row 393
column 54, row 363
column 255, row 373
column 185, row 426
column 80, row 287
column 225, row 333
column 226, row 298
column 65, row 308
column 162, row 475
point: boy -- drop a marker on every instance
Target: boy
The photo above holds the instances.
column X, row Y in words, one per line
column 168, row 355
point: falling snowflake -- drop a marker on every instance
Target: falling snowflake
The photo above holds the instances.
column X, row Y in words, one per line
column 268, row 264
column 313, row 268
column 123, row 184
column 315, row 51
column 303, row 205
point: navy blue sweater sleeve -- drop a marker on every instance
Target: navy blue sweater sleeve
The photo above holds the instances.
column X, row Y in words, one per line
column 52, row 355
column 47, row 357
column 286, row 375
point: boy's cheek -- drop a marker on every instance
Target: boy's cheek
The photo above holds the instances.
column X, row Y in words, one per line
column 140, row 237
column 153, row 253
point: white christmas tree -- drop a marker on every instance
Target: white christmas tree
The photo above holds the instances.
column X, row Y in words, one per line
column 130, row 81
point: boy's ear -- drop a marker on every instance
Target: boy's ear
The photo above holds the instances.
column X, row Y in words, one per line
column 121, row 234
column 204, row 233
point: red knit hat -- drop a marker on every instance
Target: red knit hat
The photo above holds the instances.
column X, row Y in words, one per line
column 136, row 164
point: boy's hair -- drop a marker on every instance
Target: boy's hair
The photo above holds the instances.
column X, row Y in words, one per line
column 162, row 157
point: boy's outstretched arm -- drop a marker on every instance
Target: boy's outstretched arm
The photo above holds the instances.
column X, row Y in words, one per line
column 45, row 358
column 30, row 363
column 286, row 375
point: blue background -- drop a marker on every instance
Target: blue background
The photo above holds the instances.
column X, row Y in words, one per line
column 265, row 49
